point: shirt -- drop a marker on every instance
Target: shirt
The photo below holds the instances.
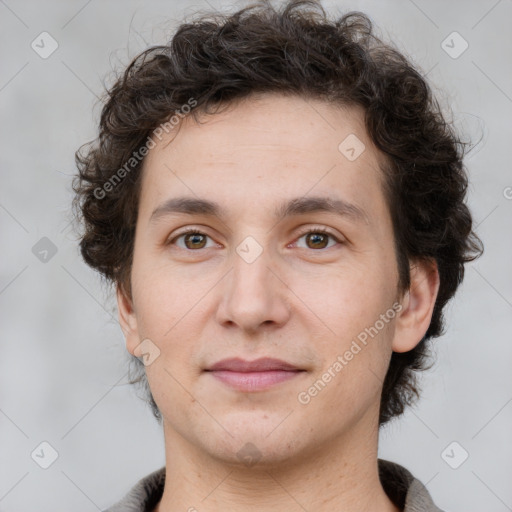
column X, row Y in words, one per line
column 405, row 491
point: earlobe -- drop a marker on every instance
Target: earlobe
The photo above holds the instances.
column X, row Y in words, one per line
column 417, row 306
column 127, row 320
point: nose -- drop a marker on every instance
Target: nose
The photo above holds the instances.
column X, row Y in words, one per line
column 254, row 296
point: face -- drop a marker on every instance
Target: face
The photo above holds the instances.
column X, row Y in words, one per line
column 263, row 255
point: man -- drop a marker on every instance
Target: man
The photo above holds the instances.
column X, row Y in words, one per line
column 280, row 204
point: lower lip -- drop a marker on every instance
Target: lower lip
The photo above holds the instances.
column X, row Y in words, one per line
column 254, row 381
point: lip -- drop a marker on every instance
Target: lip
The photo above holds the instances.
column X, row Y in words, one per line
column 264, row 364
column 251, row 376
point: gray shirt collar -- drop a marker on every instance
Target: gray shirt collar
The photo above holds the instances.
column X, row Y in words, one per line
column 408, row 493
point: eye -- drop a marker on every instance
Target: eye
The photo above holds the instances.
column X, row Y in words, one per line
column 318, row 238
column 192, row 240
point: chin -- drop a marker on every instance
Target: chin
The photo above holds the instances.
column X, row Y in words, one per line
column 256, row 454
column 254, row 444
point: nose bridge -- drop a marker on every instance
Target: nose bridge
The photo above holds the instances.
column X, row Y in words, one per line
column 253, row 295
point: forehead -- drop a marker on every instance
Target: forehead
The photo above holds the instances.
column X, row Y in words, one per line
column 262, row 149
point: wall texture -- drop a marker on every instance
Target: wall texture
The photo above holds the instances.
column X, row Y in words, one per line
column 63, row 366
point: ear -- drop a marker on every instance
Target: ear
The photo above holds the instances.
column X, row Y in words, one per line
column 417, row 306
column 127, row 320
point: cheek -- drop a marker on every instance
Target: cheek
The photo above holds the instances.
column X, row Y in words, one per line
column 165, row 296
column 347, row 302
column 166, row 311
column 354, row 342
column 353, row 370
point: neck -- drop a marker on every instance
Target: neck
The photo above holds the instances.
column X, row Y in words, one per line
column 342, row 475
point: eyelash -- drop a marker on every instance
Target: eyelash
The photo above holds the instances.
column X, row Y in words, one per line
column 309, row 231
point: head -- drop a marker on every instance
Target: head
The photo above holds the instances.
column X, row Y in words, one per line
column 259, row 112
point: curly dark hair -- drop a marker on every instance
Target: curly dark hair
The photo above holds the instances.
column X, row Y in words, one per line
column 217, row 59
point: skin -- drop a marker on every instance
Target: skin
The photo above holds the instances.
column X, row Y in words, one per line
column 302, row 300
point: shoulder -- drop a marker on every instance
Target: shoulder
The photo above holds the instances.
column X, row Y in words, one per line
column 144, row 495
column 406, row 491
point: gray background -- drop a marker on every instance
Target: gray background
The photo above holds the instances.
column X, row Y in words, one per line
column 63, row 364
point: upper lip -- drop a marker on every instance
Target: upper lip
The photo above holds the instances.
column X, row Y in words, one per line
column 263, row 364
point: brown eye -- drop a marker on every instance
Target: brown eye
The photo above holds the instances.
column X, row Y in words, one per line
column 191, row 240
column 194, row 240
column 317, row 240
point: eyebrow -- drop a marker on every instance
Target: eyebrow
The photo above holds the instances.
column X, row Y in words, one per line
column 296, row 206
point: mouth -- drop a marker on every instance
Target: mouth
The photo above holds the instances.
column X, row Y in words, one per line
column 252, row 376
